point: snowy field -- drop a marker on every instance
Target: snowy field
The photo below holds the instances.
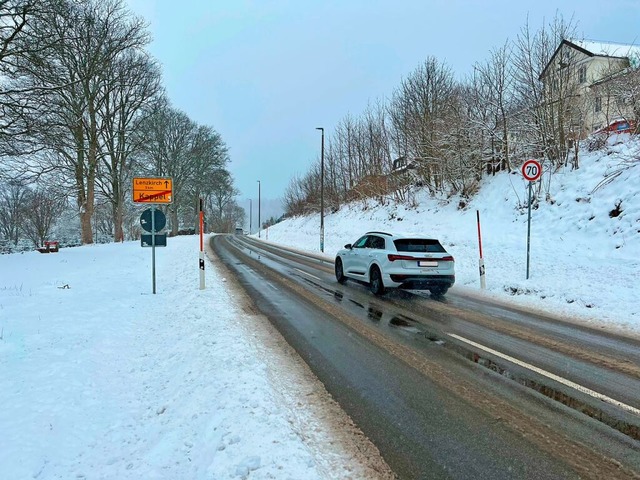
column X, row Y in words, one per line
column 103, row 380
column 584, row 263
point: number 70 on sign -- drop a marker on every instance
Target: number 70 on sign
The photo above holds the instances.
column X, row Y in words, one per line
column 531, row 170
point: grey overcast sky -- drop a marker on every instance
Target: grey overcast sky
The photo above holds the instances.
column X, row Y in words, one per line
column 266, row 73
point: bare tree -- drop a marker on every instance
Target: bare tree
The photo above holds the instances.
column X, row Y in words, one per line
column 193, row 156
column 419, row 108
column 92, row 35
column 618, row 90
column 40, row 210
column 294, row 199
column 547, row 110
column 209, row 157
column 343, row 143
column 132, row 83
column 169, row 134
column 464, row 142
column 103, row 220
column 494, row 86
column 626, row 91
column 236, row 216
column 13, row 198
column 523, row 101
column 222, row 194
column 19, row 38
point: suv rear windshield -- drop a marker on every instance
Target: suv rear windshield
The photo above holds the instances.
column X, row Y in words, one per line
column 419, row 245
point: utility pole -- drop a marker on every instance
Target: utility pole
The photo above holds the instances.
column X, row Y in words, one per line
column 321, row 191
column 259, row 225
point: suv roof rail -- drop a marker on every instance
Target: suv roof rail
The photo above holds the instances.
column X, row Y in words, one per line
column 383, row 233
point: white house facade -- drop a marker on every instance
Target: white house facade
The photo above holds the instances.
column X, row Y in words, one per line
column 587, row 80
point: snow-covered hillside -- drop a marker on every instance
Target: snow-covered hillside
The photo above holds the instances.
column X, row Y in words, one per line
column 585, row 236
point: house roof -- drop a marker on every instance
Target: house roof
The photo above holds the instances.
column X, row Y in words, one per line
column 594, row 48
column 608, row 49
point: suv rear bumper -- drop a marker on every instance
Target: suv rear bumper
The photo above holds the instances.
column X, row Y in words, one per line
column 421, row 282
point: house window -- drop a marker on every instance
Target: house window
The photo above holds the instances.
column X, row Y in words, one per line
column 582, row 74
column 598, row 104
column 623, row 100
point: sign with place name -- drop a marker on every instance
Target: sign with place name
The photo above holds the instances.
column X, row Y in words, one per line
column 152, row 190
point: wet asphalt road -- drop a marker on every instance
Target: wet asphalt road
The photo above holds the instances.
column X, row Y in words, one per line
column 397, row 366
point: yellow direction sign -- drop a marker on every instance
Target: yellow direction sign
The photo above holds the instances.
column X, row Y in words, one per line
column 152, row 190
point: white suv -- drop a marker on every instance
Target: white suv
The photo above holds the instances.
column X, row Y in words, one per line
column 385, row 260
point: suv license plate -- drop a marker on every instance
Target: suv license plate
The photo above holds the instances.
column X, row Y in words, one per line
column 423, row 263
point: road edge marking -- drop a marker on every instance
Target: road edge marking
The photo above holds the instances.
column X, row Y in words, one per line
column 550, row 375
column 308, row 274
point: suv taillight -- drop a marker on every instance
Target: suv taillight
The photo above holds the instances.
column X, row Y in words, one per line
column 393, row 257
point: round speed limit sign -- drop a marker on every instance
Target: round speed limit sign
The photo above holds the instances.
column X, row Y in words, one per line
column 531, row 170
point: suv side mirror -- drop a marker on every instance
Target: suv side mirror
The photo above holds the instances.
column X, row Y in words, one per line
column 348, row 246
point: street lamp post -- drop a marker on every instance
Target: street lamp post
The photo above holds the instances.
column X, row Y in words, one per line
column 321, row 191
column 250, row 213
column 258, row 208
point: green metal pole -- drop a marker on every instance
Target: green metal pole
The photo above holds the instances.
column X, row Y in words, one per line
column 529, row 229
column 153, row 246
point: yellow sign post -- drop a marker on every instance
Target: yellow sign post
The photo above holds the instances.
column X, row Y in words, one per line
column 152, row 190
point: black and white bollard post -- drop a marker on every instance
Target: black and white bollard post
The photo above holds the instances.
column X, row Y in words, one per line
column 483, row 283
column 201, row 247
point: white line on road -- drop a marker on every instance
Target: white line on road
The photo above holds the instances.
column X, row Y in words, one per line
column 308, row 274
column 272, row 286
column 553, row 376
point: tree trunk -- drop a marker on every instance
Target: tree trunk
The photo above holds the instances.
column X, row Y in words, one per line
column 118, row 220
column 576, row 158
column 84, row 191
column 506, row 165
column 92, row 160
column 117, row 209
column 85, row 225
column 173, row 211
